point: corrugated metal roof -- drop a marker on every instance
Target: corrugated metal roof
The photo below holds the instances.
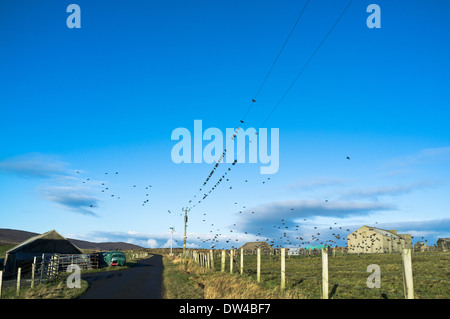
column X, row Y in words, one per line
column 384, row 232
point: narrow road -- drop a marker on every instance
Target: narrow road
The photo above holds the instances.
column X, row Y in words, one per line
column 142, row 281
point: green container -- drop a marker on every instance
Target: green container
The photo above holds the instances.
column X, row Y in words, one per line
column 115, row 258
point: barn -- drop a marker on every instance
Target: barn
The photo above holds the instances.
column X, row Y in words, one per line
column 251, row 248
column 47, row 243
column 368, row 239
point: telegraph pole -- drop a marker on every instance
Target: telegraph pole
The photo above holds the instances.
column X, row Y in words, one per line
column 185, row 224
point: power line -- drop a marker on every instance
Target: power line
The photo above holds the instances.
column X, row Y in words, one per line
column 307, row 62
column 255, row 96
column 276, row 59
column 284, row 94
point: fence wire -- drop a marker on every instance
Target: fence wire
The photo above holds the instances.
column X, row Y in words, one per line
column 42, row 269
column 304, row 271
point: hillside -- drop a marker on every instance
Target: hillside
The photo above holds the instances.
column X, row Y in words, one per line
column 14, row 237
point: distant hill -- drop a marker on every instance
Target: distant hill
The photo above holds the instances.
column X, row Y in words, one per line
column 14, row 237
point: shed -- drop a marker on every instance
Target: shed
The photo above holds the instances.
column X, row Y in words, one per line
column 50, row 242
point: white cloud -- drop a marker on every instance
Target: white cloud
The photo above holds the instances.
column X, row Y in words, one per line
column 375, row 192
column 151, row 243
column 424, row 156
column 34, row 165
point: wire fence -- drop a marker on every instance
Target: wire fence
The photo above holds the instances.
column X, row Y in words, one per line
column 42, row 269
column 347, row 275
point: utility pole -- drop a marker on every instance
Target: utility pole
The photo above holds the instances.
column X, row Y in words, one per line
column 171, row 240
column 185, row 224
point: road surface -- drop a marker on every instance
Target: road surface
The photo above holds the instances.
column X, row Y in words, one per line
column 142, row 281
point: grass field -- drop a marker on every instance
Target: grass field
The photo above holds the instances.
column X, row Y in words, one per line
column 348, row 275
column 183, row 279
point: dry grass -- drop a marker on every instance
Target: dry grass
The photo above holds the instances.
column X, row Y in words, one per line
column 226, row 286
column 53, row 289
column 183, row 279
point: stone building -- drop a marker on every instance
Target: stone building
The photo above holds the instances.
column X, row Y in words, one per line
column 251, row 248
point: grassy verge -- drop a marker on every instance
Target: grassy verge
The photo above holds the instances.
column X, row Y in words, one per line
column 53, row 289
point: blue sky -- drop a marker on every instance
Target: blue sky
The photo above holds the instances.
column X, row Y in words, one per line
column 79, row 103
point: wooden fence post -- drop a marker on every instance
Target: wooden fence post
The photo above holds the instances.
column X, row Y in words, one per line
column 283, row 268
column 223, row 260
column 33, row 270
column 42, row 268
column 407, row 274
column 19, row 271
column 1, row 279
column 324, row 273
column 258, row 265
column 231, row 260
column 211, row 259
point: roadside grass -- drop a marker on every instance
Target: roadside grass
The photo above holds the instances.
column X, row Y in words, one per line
column 180, row 279
column 53, row 289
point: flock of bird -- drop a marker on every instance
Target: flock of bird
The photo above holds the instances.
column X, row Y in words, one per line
column 371, row 243
column 284, row 233
column 216, row 237
column 279, row 234
column 195, row 201
column 105, row 188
